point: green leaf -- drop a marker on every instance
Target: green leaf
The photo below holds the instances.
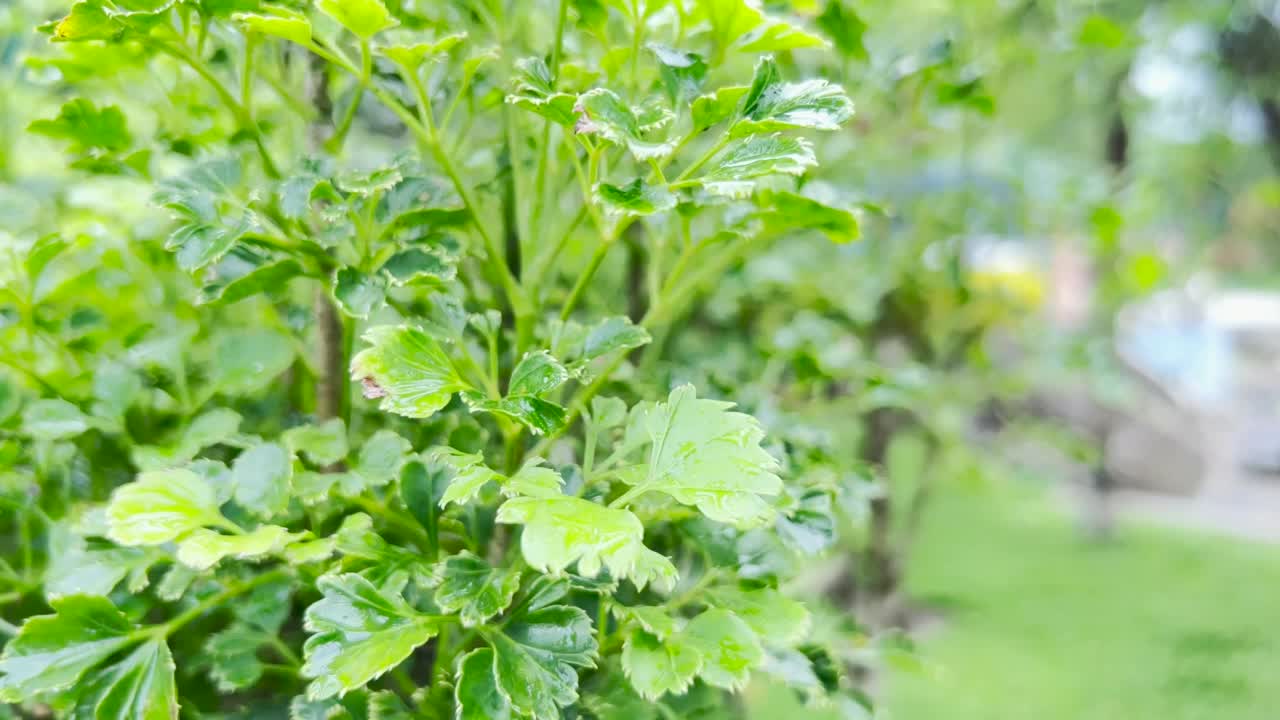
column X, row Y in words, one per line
column 262, row 476
column 777, row 36
column 52, row 652
column 533, row 480
column 213, row 427
column 608, row 412
column 323, row 444
column 87, row 21
column 715, row 108
column 541, row 416
column 52, row 419
column 612, row 334
column 358, row 293
column 416, row 265
column 381, row 457
column 139, row 687
column 411, row 56
column 407, row 369
column 536, row 374
column 359, row 633
column 634, row 199
column 682, row 72
column 86, row 127
column 845, row 28
column 364, row 18
column 601, row 112
column 245, row 361
column 792, row 211
column 772, row 615
column 536, row 657
column 160, row 506
column 93, row 568
column 656, row 668
column 277, row 21
column 475, row 590
column 756, row 156
column 728, row 646
column 772, row 104
column 469, row 475
column 235, row 280
column 563, row 530
column 421, row 488
column 653, row 619
column 203, row 548
column 233, row 657
column 476, row 694
column 534, row 90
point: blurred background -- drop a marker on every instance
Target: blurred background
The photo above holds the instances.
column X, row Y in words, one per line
column 1054, row 356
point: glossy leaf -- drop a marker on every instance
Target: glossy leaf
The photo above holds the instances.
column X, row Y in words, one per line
column 411, row 56
column 476, row 692
column 560, row 531
column 469, row 475
column 601, row 112
column 772, row 104
column 139, row 687
column 277, row 21
column 777, row 619
column 204, row 548
column 656, row 667
column 322, row 444
column 358, row 633
column 358, row 293
column 756, row 156
column 536, row 657
column 160, row 506
column 635, row 198
column 407, row 369
column 705, row 455
column 729, row 648
column 475, row 590
column 364, row 18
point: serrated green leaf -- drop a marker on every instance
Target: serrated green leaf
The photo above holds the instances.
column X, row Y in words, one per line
column 407, row 369
column 469, row 475
column 601, row 112
column 323, row 444
column 139, row 687
column 682, row 72
column 277, row 21
column 845, row 28
column 52, row 652
column 772, row 104
column 416, row 265
column 702, row 454
column 656, row 667
column 245, row 361
column 475, row 590
column 536, row 657
column 653, row 619
column 421, row 489
column 476, row 694
column 533, row 480
column 714, row 108
column 87, row 21
column 778, row 36
column 233, row 657
column 563, row 530
column 262, row 476
column 203, row 548
column 87, row 127
column 730, row 173
column 772, row 615
column 159, row 506
column 358, row 293
column 541, row 416
column 364, row 18
column 411, row 56
column 235, row 280
column 358, row 633
column 728, row 646
column 534, row 90
column 53, row 419
column 635, row 199
column 213, row 427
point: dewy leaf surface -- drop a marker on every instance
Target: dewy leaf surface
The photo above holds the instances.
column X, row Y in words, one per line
column 772, row 104
column 476, row 690
column 474, row 589
column 656, row 667
column 536, row 658
column 601, row 112
column 407, row 369
column 562, row 530
column 139, row 687
column 704, row 454
column 360, row 632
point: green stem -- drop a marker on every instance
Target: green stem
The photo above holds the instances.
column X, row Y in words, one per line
column 335, row 143
column 175, row 624
column 697, row 164
column 584, row 278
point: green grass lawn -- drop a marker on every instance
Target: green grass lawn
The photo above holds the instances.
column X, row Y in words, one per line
column 1042, row 625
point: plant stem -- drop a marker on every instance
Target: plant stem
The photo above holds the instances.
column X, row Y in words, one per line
column 176, row 623
column 339, row 137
